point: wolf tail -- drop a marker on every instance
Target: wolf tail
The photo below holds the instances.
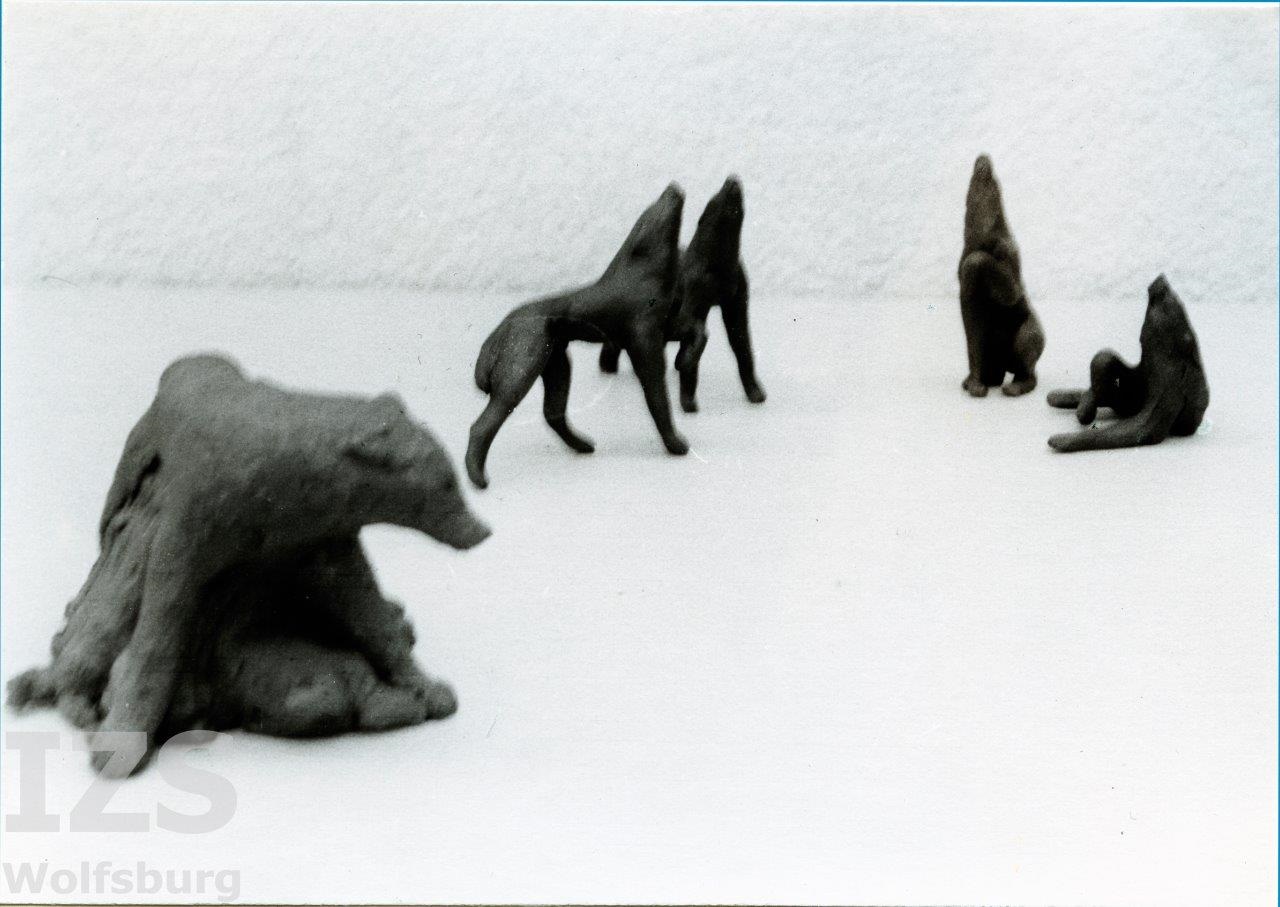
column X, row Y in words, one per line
column 488, row 356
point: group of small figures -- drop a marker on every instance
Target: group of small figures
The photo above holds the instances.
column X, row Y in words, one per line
column 1164, row 394
column 654, row 293
column 232, row 591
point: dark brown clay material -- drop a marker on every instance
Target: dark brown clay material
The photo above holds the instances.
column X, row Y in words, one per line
column 1002, row 332
column 711, row 275
column 231, row 589
column 629, row 307
column 1164, row 394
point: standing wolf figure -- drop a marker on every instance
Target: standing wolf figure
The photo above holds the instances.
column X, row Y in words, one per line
column 711, row 274
column 1002, row 331
column 629, row 306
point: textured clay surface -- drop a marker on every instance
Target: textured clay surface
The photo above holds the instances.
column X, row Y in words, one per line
column 631, row 307
column 1164, row 394
column 1001, row 331
column 231, row 589
column 711, row 274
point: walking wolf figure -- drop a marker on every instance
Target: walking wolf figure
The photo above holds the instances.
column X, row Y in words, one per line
column 711, row 274
column 1164, row 394
column 630, row 306
column 1002, row 331
column 231, row 589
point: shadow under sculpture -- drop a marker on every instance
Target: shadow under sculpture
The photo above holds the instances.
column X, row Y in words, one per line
column 1001, row 331
column 231, row 589
column 1164, row 394
column 629, row 306
column 711, row 274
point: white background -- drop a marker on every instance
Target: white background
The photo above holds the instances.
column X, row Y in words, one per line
column 869, row 642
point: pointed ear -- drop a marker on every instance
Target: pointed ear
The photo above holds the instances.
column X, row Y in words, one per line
column 376, row 447
column 387, row 439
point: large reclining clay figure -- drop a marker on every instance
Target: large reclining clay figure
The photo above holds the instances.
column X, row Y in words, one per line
column 629, row 306
column 231, row 589
column 711, row 274
column 1164, row 394
column 1002, row 332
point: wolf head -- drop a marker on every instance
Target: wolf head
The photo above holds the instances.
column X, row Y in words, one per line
column 984, row 211
column 1166, row 328
column 404, row 477
column 719, row 232
column 652, row 248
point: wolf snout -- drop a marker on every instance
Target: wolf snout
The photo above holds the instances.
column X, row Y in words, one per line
column 1158, row 290
column 461, row 530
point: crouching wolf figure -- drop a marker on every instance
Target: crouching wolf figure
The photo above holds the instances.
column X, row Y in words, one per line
column 1164, row 394
column 1002, row 331
column 231, row 588
column 711, row 274
column 629, row 306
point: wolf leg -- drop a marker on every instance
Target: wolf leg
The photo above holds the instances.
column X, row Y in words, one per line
column 519, row 362
column 609, row 354
column 734, row 313
column 556, row 375
column 1150, row 426
column 970, row 275
column 687, row 366
column 1028, row 344
column 1112, row 383
column 648, row 356
column 144, row 675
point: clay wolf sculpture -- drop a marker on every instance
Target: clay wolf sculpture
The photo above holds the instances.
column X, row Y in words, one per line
column 629, row 306
column 1164, row 394
column 711, row 274
column 1001, row 330
column 231, row 589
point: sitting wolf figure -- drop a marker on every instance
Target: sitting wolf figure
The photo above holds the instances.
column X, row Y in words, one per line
column 711, row 274
column 1002, row 331
column 1164, row 394
column 630, row 306
column 231, row 589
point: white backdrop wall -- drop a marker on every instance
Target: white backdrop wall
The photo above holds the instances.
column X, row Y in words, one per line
column 509, row 148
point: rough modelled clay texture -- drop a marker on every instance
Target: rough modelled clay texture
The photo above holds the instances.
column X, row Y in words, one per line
column 231, row 589
column 1002, row 333
column 426, row 145
column 1165, row 394
column 711, row 276
column 632, row 306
